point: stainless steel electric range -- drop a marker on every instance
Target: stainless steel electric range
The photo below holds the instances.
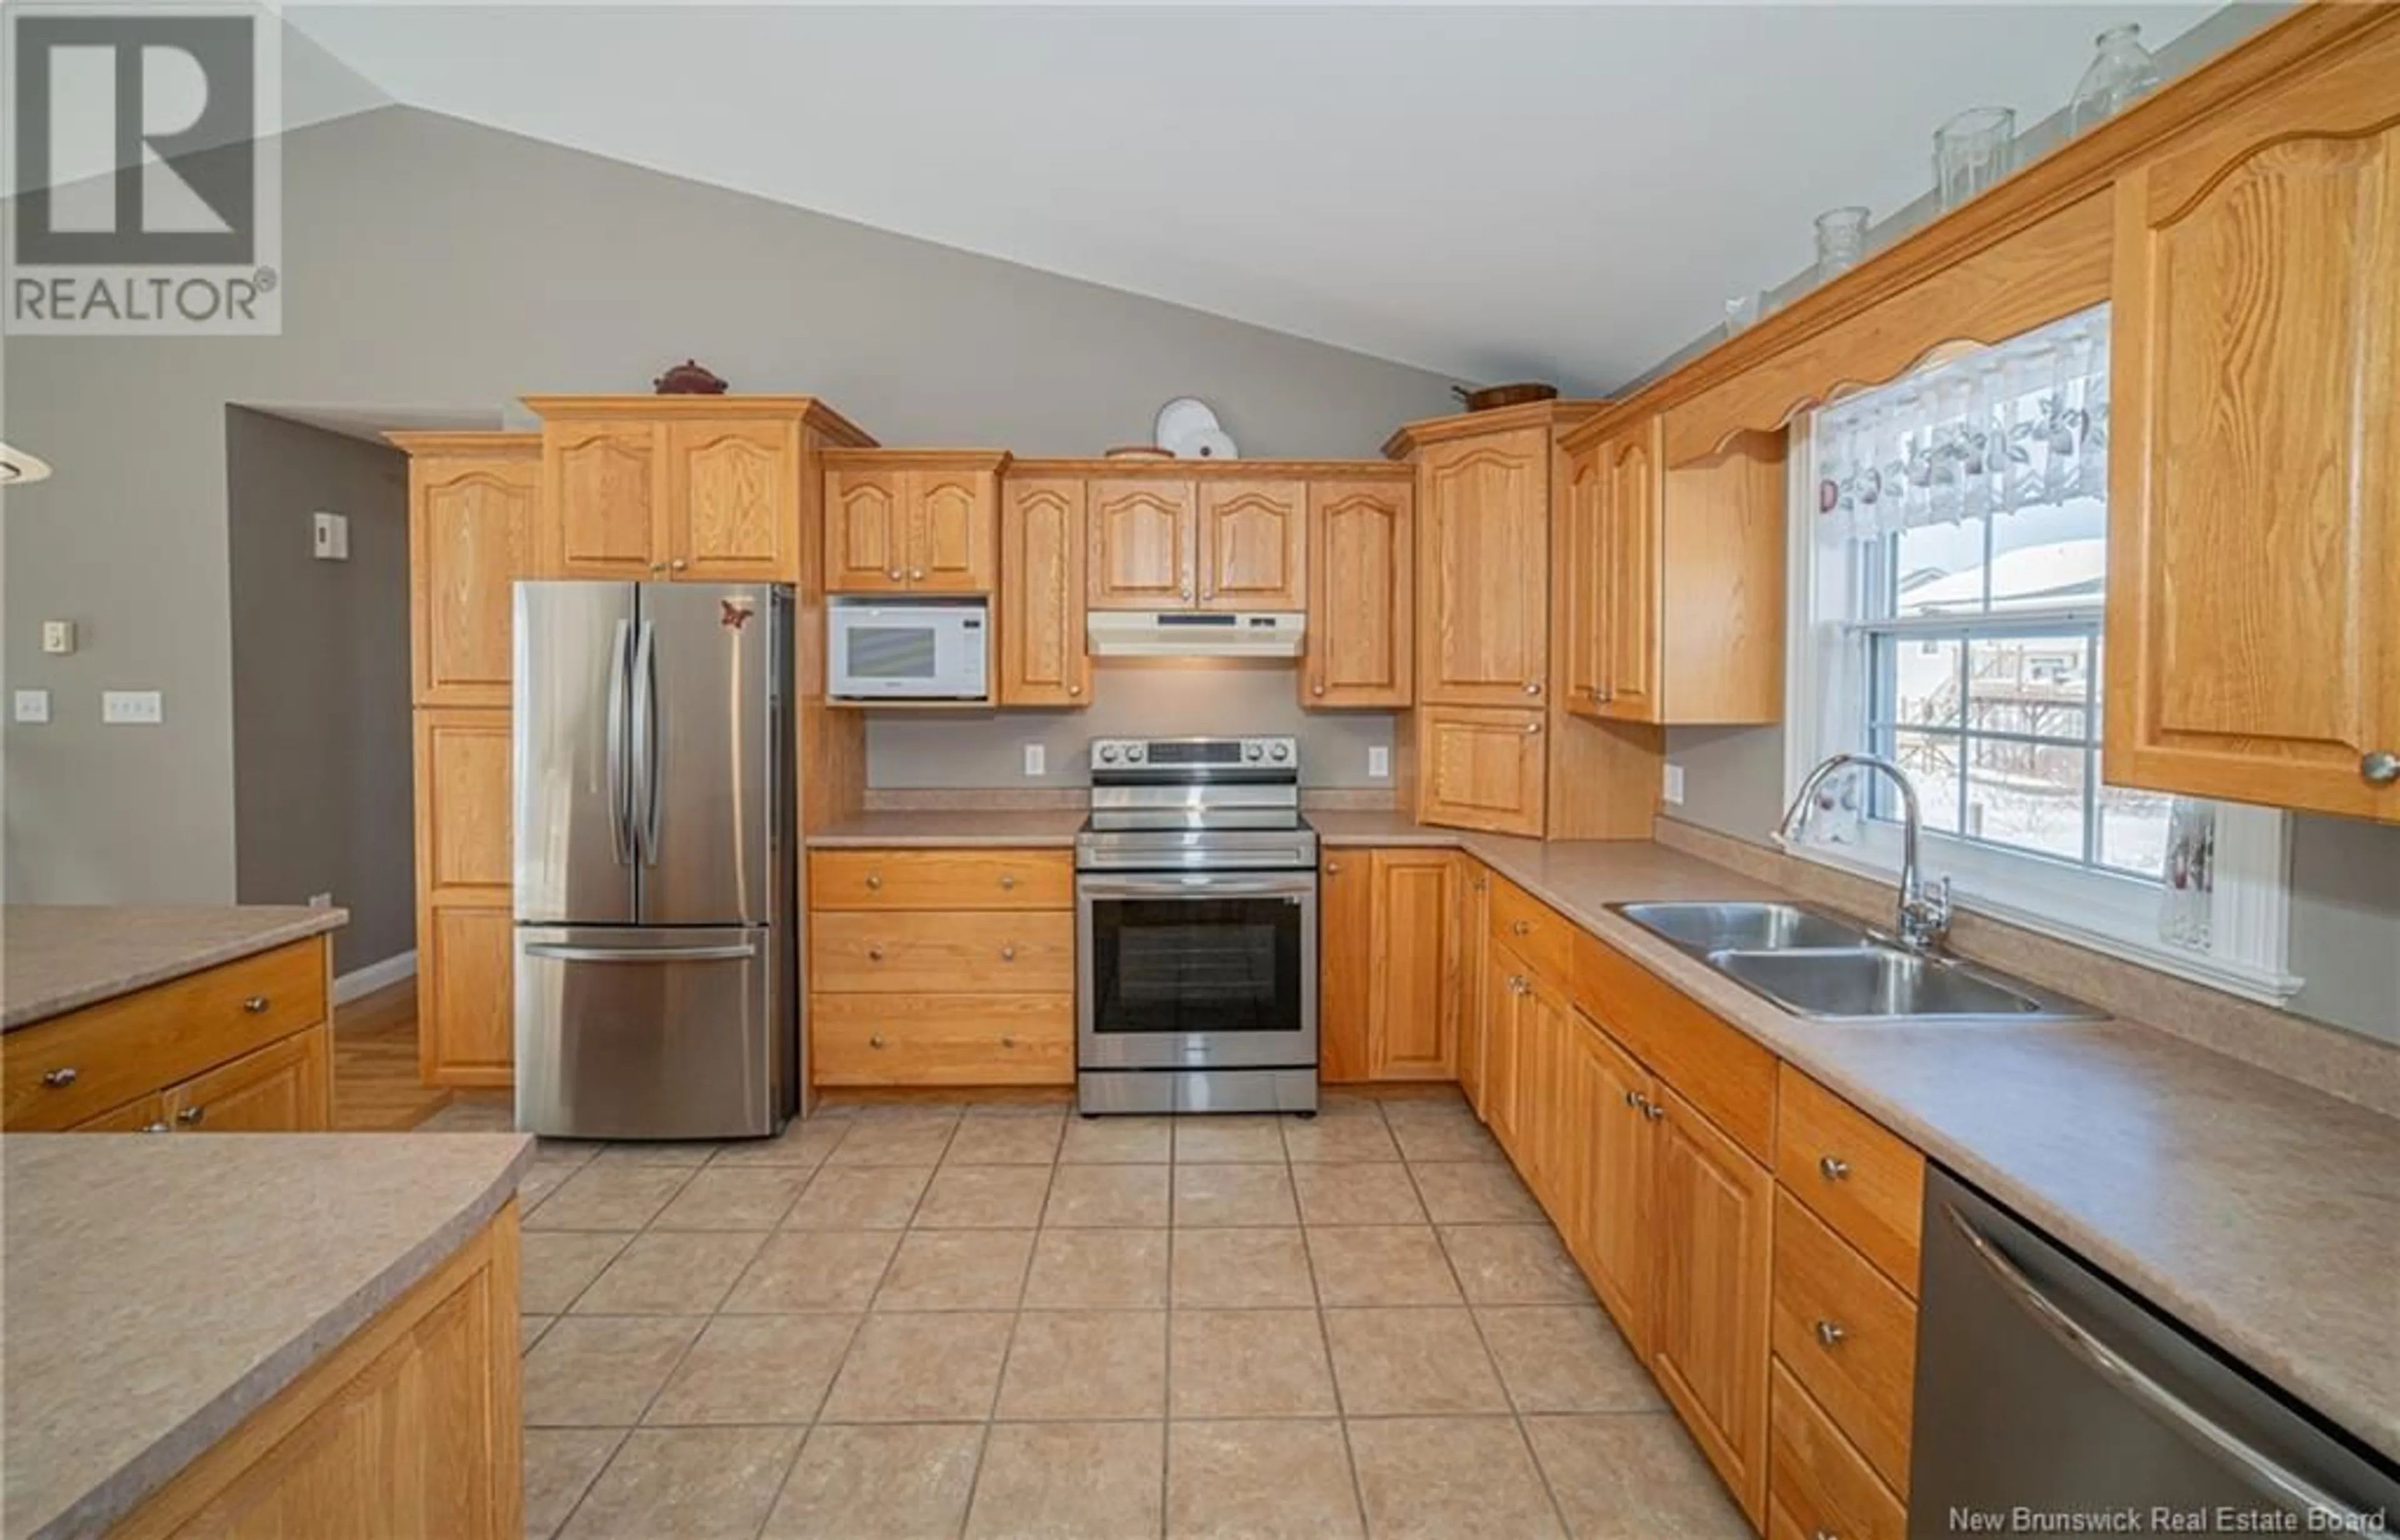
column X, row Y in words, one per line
column 1195, row 928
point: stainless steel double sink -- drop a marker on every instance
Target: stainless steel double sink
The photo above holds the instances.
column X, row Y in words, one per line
column 1825, row 968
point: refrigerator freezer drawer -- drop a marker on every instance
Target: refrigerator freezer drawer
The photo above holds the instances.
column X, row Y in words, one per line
column 629, row 1033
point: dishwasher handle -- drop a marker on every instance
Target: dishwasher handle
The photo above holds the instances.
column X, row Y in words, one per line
column 2236, row 1454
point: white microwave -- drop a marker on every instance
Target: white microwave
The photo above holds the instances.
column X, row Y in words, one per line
column 881, row 649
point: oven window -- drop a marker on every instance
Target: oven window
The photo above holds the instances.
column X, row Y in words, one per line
column 1196, row 966
column 890, row 652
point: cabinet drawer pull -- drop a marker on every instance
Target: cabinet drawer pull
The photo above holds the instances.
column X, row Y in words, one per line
column 160, row 1127
column 2381, row 767
column 1652, row 1110
column 876, row 1040
column 679, row 564
column 894, row 575
column 1830, row 1333
column 874, row 882
column 1833, row 1167
column 1317, row 688
column 1533, row 688
column 59, row 1080
column 1008, row 1042
column 192, row 1117
column 875, row 954
column 1008, row 881
column 1520, row 927
column 255, row 1005
column 1008, row 954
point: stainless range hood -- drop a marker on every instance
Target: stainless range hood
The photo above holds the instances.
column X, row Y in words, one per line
column 1192, row 633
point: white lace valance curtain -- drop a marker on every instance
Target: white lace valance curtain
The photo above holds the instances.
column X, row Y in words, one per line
column 2020, row 424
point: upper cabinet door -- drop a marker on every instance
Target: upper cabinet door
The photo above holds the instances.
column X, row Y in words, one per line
column 1480, row 770
column 1361, row 595
column 1484, row 569
column 1580, row 596
column 1253, row 545
column 2254, row 518
column 950, row 519
column 471, row 523
column 1630, row 560
column 1042, row 659
column 603, row 499
column 733, row 501
column 865, row 530
column 1142, row 545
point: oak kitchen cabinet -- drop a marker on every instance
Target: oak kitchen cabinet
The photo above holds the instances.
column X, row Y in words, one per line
column 1479, row 767
column 699, row 488
column 465, row 994
column 1213, row 543
column 472, row 519
column 2253, row 507
column 912, row 520
column 1346, row 964
column 1672, row 602
column 1390, row 954
column 1044, row 659
column 243, row 1046
column 1361, row 596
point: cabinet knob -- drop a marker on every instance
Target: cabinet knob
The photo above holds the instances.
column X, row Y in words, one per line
column 1632, row 1099
column 1532, row 727
column 1533, row 686
column 1008, row 1042
column 1008, row 954
column 917, row 575
column 1652, row 1110
column 255, row 1005
column 59, row 1080
column 1480, row 883
column 894, row 575
column 192, row 1117
column 658, row 566
column 1833, row 1167
column 1187, row 590
column 1520, row 927
column 875, row 954
column 1333, row 869
column 1074, row 689
column 1831, row 1332
column 874, row 880
column 2381, row 767
column 876, row 1040
column 1316, row 689
column 160, row 1127
column 1822, row 1533
column 679, row 564
column 1007, row 881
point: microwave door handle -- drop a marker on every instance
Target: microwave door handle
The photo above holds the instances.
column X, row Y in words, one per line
column 646, row 747
column 2245, row 1460
column 620, row 831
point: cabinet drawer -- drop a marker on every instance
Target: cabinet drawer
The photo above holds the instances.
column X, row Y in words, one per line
column 993, row 951
column 1534, row 931
column 1715, row 1066
column 1852, row 1172
column 942, row 880
column 1847, row 1335
column 60, row 1073
column 942, row 1039
column 1816, row 1483
column 142, row 1115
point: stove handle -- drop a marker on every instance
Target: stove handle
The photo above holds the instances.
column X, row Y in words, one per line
column 1197, row 884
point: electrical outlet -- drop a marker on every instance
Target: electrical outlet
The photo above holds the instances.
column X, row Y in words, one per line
column 1036, row 759
column 32, row 705
column 1673, row 790
column 1379, row 762
column 320, row 901
column 131, row 707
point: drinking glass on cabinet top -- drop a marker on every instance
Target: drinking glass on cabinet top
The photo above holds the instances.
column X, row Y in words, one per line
column 1740, row 314
column 1972, row 152
column 1841, row 239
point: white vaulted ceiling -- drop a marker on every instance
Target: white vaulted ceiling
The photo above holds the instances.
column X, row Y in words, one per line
column 1544, row 192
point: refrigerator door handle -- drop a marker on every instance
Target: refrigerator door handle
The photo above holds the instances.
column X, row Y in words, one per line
column 557, row 952
column 646, row 747
column 620, row 828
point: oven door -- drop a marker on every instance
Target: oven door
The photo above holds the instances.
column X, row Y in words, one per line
column 1196, row 970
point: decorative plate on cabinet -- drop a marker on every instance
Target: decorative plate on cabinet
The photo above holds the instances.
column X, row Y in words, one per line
column 1182, row 421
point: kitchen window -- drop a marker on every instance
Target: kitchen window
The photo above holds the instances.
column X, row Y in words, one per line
column 1950, row 578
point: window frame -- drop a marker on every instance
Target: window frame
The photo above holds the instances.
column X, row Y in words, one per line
column 1825, row 658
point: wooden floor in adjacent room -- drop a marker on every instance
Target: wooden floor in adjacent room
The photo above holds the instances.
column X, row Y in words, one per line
column 375, row 1088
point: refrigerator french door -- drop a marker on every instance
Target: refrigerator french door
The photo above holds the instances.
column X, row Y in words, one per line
column 656, row 987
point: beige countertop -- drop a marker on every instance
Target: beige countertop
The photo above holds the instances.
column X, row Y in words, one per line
column 161, row 1289
column 54, row 958
column 897, row 829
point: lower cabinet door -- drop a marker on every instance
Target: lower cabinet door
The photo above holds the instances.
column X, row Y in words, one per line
column 466, row 998
column 1480, row 768
column 1618, row 1244
column 1474, row 901
column 1502, row 1018
column 142, row 1115
column 283, row 1088
column 1346, row 961
column 1412, row 1020
column 1712, row 1219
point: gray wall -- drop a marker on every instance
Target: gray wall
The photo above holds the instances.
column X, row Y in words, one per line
column 2345, row 924
column 430, row 262
column 321, row 728
column 1131, row 697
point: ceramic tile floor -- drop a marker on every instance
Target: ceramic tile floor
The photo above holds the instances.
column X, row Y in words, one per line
column 1001, row 1321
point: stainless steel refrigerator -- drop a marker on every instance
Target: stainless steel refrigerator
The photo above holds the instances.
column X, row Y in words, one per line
column 657, row 965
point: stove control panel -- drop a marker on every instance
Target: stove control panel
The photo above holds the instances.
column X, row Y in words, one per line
column 1168, row 755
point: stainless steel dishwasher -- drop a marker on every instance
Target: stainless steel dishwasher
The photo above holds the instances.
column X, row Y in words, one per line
column 2052, row 1400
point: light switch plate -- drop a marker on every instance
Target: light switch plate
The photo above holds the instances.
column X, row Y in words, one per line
column 131, row 707
column 1673, row 790
column 1379, row 762
column 57, row 637
column 32, row 705
column 329, row 538
column 1036, row 759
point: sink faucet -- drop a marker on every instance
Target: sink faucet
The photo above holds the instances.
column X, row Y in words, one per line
column 1923, row 916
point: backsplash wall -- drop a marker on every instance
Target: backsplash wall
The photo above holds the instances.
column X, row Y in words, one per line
column 1130, row 699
